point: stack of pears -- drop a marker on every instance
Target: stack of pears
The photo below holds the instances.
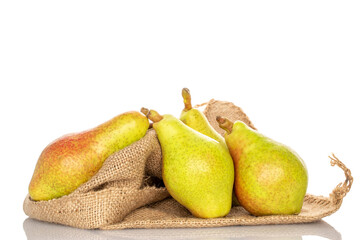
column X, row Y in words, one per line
column 200, row 168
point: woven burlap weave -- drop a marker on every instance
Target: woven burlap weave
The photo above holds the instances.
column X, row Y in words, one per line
column 128, row 192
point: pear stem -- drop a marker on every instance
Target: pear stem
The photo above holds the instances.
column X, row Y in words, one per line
column 187, row 99
column 151, row 114
column 145, row 111
column 225, row 124
column 154, row 116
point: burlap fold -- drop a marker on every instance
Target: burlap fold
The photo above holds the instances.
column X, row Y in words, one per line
column 128, row 192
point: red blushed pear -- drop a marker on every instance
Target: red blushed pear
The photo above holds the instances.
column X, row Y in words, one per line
column 73, row 159
column 270, row 178
column 197, row 170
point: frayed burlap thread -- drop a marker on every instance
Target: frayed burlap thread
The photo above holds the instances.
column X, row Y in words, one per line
column 128, row 192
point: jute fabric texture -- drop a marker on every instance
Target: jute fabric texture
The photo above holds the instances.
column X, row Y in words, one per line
column 128, row 192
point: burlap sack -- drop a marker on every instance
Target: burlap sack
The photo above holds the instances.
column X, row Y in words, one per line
column 128, row 192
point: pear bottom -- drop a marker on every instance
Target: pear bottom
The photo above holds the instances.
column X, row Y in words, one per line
column 271, row 187
column 207, row 207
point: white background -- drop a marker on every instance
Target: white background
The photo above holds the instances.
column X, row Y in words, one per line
column 294, row 68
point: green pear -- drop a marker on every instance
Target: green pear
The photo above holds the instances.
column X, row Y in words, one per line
column 73, row 159
column 195, row 119
column 197, row 171
column 270, row 178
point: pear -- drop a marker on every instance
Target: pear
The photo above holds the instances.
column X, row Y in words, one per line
column 197, row 171
column 195, row 119
column 73, row 159
column 270, row 178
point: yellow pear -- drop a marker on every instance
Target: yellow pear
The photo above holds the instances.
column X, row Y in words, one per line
column 197, row 171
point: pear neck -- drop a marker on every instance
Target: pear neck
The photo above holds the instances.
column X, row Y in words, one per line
column 170, row 127
column 244, row 133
